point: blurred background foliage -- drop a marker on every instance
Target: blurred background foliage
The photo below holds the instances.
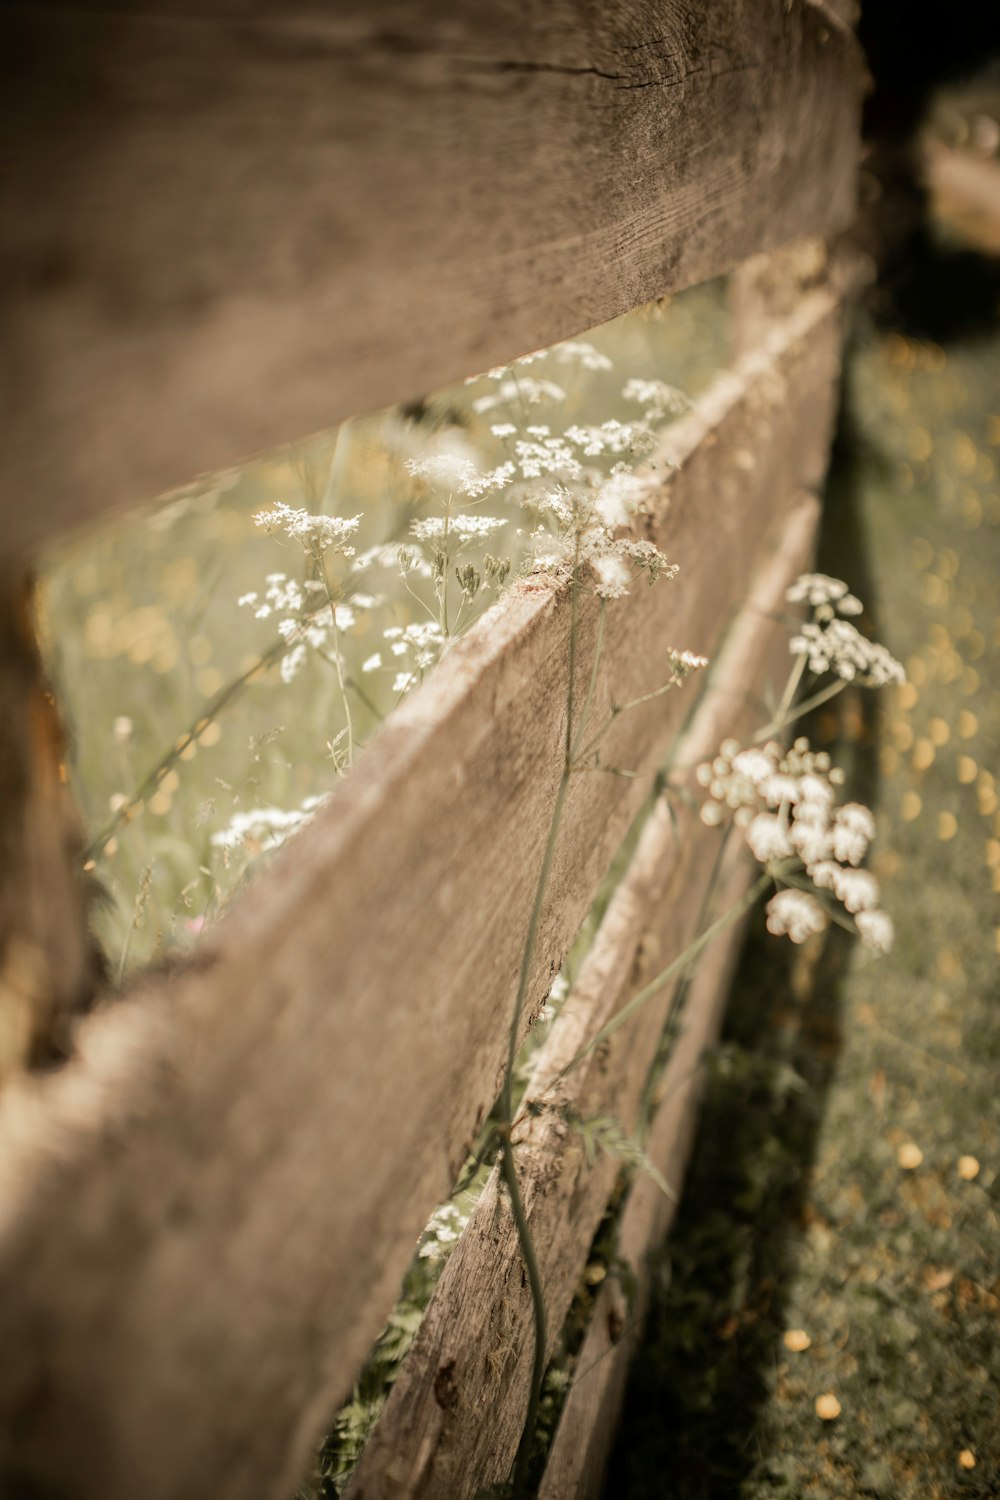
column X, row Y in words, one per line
column 159, row 671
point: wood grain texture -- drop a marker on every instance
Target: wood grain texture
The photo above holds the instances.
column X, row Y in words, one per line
column 582, row 1443
column 453, row 1419
column 205, row 1217
column 225, row 227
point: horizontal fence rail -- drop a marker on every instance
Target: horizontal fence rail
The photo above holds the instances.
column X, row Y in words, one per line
column 223, row 227
column 205, row 1216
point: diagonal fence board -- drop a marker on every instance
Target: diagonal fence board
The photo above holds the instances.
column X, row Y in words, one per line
column 230, row 1177
column 583, row 1437
column 224, row 227
column 454, row 1416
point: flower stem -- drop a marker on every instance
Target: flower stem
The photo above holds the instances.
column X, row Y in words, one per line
column 338, row 662
column 677, row 966
column 508, row 1168
column 591, row 685
column 538, row 1306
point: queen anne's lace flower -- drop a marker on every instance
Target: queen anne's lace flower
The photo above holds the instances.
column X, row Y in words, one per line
column 659, row 399
column 318, row 534
column 839, row 648
column 785, row 802
column 522, row 391
column 465, row 528
column 458, row 475
column 264, row 827
column 818, row 589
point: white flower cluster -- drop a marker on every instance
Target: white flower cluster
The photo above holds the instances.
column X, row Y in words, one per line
column 573, row 351
column 684, row 663
column 578, row 351
column 263, row 828
column 582, row 524
column 820, row 591
column 463, row 527
column 282, row 594
column 318, row 534
column 416, row 646
column 301, row 625
column 833, row 644
column 785, row 802
column 524, row 390
column 443, row 1231
column 659, row 399
column 840, row 648
column 460, row 476
column 613, row 437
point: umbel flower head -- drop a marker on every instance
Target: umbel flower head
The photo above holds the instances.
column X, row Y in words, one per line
column 831, row 643
column 786, row 804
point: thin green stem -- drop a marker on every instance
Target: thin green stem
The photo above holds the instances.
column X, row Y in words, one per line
column 338, row 660
column 823, row 696
column 209, row 713
column 538, row 1306
column 529, row 946
column 679, row 964
column 592, row 684
column 368, row 702
column 620, row 708
column 791, row 688
column 507, row 1095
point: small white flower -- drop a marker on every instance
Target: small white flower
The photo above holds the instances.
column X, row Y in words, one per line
column 620, row 497
column 857, row 889
column 756, row 765
column 779, row 788
column 875, row 930
column 815, row 790
column 796, row 914
column 465, row 527
column 372, row 663
column 767, row 837
column 853, row 830
column 613, row 577
column 582, row 353
column 291, row 663
column 451, row 472
column 811, row 842
column 659, row 399
column 816, row 589
column 531, row 392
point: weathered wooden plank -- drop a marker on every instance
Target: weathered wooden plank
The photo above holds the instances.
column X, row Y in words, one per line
column 230, row 1177
column 586, row 1427
column 221, row 231
column 455, row 1413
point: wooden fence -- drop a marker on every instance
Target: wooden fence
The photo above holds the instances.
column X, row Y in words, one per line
column 222, row 231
